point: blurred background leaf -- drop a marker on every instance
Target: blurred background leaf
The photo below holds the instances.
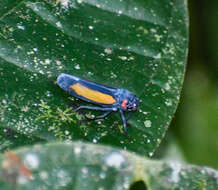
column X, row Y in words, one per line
column 195, row 126
column 87, row 166
column 139, row 45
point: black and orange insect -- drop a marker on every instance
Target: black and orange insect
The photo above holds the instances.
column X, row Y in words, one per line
column 107, row 98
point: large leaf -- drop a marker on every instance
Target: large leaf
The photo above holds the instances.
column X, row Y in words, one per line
column 87, row 166
column 140, row 45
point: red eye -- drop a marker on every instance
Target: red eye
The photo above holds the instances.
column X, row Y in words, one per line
column 124, row 104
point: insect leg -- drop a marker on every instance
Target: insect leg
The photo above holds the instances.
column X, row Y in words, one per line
column 100, row 116
column 129, row 115
column 124, row 121
column 94, row 108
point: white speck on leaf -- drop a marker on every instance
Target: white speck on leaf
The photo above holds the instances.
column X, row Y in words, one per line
column 43, row 175
column 91, row 27
column 31, row 160
column 94, row 140
column 63, row 178
column 150, row 154
column 115, row 159
column 147, row 123
column 64, row 3
column 58, row 24
column 167, row 86
column 21, row 27
column 153, row 30
column 77, row 67
column 176, row 167
column 158, row 56
column 168, row 102
column 77, row 150
column 122, row 58
column 108, row 51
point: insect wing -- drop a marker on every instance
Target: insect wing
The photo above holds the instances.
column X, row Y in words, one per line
column 87, row 90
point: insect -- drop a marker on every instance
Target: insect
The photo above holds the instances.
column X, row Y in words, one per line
column 107, row 98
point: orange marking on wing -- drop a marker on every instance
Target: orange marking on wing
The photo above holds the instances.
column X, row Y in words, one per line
column 15, row 160
column 93, row 95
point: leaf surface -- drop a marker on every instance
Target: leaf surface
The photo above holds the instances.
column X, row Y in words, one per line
column 137, row 45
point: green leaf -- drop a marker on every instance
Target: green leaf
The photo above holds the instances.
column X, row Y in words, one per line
column 87, row 166
column 138, row 45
